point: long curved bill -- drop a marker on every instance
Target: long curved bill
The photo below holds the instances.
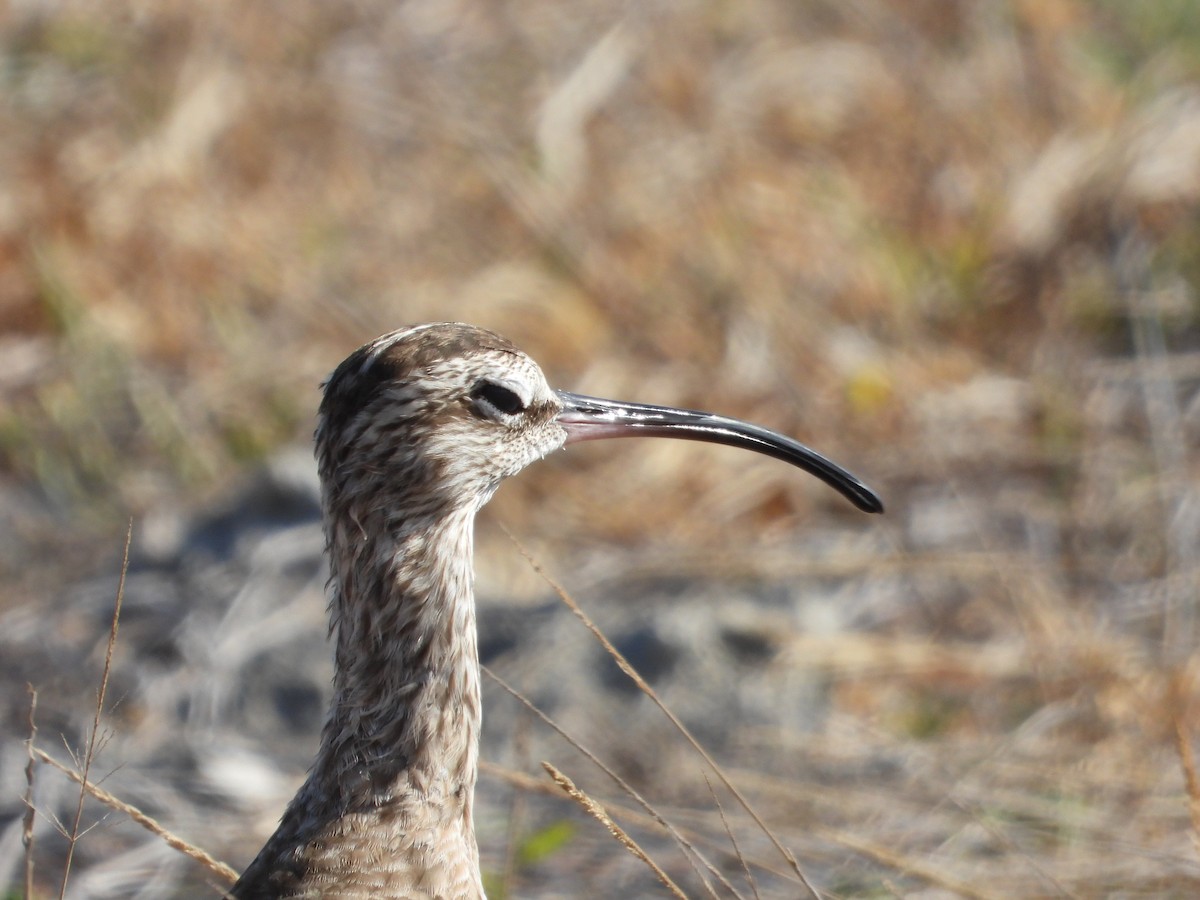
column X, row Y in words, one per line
column 592, row 418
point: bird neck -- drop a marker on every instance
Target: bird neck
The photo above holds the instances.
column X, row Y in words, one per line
column 406, row 709
column 388, row 802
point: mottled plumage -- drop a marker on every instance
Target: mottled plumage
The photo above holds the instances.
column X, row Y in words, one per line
column 416, row 431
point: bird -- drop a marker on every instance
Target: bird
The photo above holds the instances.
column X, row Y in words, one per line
column 415, row 432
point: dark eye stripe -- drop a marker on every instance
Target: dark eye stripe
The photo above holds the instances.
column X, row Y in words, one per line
column 499, row 396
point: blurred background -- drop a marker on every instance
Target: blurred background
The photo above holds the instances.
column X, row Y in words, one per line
column 950, row 244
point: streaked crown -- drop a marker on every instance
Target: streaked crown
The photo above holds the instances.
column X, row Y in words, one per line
column 446, row 410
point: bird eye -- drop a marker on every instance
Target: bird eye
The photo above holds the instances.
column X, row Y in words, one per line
column 499, row 397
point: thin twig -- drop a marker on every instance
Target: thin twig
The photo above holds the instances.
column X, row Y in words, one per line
column 596, row 810
column 172, row 840
column 90, row 752
column 645, row 688
column 30, row 810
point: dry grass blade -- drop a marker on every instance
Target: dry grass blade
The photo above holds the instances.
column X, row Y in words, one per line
column 1187, row 758
column 518, row 807
column 1005, row 841
column 732, row 840
column 90, row 752
column 30, row 811
column 645, row 688
column 1163, row 414
column 596, row 810
column 689, row 850
column 172, row 840
column 907, row 865
column 641, row 819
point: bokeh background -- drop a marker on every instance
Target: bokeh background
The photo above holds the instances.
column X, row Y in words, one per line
column 952, row 244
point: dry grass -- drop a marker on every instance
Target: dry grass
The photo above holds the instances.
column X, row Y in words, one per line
column 950, row 243
column 642, row 685
column 595, row 810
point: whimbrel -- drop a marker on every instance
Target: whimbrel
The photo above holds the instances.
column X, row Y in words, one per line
column 416, row 431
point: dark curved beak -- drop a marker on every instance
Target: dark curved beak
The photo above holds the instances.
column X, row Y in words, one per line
column 592, row 418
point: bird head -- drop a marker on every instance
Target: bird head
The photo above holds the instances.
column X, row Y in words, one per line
column 442, row 413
